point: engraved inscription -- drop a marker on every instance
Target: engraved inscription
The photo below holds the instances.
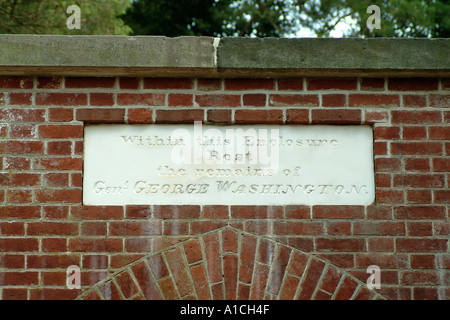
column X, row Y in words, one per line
column 235, row 165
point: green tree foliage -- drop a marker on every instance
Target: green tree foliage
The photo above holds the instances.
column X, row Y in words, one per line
column 49, row 16
column 273, row 18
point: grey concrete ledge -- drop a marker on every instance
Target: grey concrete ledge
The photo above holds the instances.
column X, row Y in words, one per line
column 233, row 57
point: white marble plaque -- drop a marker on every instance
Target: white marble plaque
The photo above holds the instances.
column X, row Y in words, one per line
column 229, row 165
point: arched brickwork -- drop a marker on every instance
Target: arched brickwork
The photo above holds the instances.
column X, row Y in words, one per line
column 230, row 264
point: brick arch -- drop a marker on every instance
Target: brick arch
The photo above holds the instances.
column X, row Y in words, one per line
column 228, row 263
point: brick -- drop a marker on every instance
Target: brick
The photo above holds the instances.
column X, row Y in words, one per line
column 440, row 100
column 24, row 147
column 54, row 244
column 419, row 196
column 416, row 148
column 230, row 267
column 297, row 100
column 14, row 294
column 441, row 196
column 16, row 82
column 338, row 212
column 373, row 100
column 414, row 101
column 98, row 245
column 420, row 228
column 297, row 212
column 19, row 278
column 258, row 116
column 219, row 116
column 278, row 269
column 247, row 257
column 417, row 164
column 167, row 83
column 180, row 99
column 414, row 133
column 97, row 212
column 101, row 115
column 12, row 228
column 200, row 281
column 381, row 244
column 209, row 84
column 137, row 245
column 129, row 83
column 20, row 98
column 387, row 164
column 258, row 212
column 425, row 293
column 212, row 252
column 179, row 116
column 60, row 131
column 416, row 117
column 17, row 163
column 338, row 228
column 145, row 281
column 389, row 196
column 49, row 82
column 61, row 99
column 94, row 228
column 341, row 260
column 294, row 227
column 20, row 212
column 372, row 84
column 177, row 212
column 259, row 282
column 67, row 163
column 419, row 212
column 60, row 114
column 137, row 211
column 140, row 115
column 63, row 196
column 101, row 99
column 340, row 245
column 22, row 115
column 334, row 100
column 19, row 245
column 346, row 289
column 218, row 100
column 330, row 280
column 336, row 116
column 412, row 84
column 441, row 164
column 19, row 196
column 297, row 116
column 421, row 245
column 135, row 228
column 419, row 180
column 290, row 84
column 332, row 84
column 289, row 288
column 387, row 133
column 19, row 179
column 374, row 117
column 90, row 82
column 59, row 148
column 249, row 84
column 141, row 99
column 311, row 279
column 46, row 261
column 193, row 251
column 378, row 228
column 126, row 285
column 22, row 131
column 439, row 133
column 257, row 100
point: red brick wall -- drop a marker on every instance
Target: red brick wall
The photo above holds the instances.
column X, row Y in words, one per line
column 318, row 252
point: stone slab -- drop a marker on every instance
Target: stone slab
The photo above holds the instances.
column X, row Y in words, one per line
column 230, row 165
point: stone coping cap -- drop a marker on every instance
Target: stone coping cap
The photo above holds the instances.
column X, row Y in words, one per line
column 217, row 57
